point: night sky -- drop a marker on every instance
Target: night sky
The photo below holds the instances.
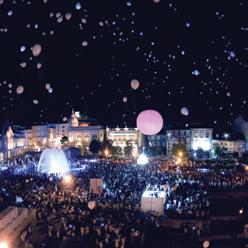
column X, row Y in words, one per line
column 191, row 54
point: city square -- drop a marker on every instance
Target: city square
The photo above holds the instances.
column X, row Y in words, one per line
column 123, row 124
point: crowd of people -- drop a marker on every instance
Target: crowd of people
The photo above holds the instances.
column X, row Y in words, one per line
column 115, row 220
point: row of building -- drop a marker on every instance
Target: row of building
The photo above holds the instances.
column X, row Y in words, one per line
column 80, row 131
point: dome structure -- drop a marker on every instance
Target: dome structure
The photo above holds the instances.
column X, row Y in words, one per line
column 53, row 161
column 74, row 119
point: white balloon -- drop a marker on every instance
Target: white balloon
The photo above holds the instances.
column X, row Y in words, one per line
column 68, row 16
column 35, row 101
column 206, row 244
column 83, row 20
column 48, row 86
column 39, row 65
column 65, row 119
column 22, row 49
column 135, row 84
column 23, row 64
column 78, row 6
column 184, row 111
column 50, row 90
column 124, row 99
column 60, row 19
column 10, row 12
column 84, row 43
column 19, row 90
column 36, row 49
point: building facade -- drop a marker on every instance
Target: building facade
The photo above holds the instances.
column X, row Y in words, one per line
column 201, row 138
column 11, row 144
column 193, row 139
column 158, row 140
column 79, row 133
column 174, row 137
column 232, row 146
column 120, row 137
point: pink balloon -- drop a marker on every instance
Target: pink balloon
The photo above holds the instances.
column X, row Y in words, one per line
column 149, row 122
column 91, row 204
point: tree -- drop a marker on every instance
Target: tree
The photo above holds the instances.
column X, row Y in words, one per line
column 107, row 146
column 64, row 140
column 199, row 153
column 221, row 152
column 128, row 149
column 117, row 151
column 95, row 146
column 178, row 148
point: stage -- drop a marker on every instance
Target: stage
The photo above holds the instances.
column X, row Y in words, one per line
column 153, row 201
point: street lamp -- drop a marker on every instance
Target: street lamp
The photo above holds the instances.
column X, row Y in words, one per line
column 180, row 154
column 226, row 136
column 106, row 153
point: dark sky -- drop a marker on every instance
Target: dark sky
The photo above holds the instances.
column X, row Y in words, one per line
column 184, row 54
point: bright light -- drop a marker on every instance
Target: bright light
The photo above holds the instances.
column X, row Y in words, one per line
column 53, row 161
column 106, row 152
column 180, row 154
column 241, row 211
column 67, row 179
column 77, row 114
column 4, row 245
column 206, row 244
column 142, row 159
column 203, row 143
column 178, row 161
column 226, row 135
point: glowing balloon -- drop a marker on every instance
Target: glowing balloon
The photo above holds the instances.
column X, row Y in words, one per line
column 48, row 86
column 39, row 65
column 35, row 101
column 91, row 204
column 83, row 20
column 149, row 122
column 50, row 90
column 184, row 111
column 206, row 244
column 135, row 84
column 22, row 49
column 19, row 90
column 124, row 99
column 78, row 6
column 84, row 43
column 23, row 64
column 65, row 119
column 68, row 16
column 36, row 50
